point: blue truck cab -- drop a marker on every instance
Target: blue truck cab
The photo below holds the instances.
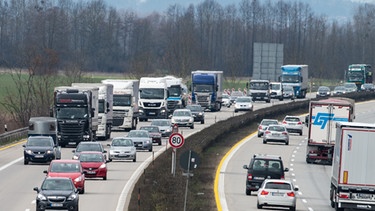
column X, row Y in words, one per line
column 295, row 76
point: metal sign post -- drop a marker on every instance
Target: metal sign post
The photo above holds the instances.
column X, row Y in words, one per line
column 176, row 140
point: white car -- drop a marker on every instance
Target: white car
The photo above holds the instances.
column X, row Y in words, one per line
column 277, row 193
column 122, row 149
column 226, row 100
column 276, row 133
column 183, row 118
column 264, row 124
column 293, row 124
column 243, row 104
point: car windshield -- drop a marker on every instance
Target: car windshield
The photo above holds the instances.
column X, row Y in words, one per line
column 65, row 167
column 150, row 129
column 161, row 123
column 269, row 122
column 57, row 184
column 350, row 86
column 276, row 128
column 39, row 142
column 194, row 108
column 243, row 100
column 339, row 88
column 261, row 164
column 292, row 119
column 323, row 89
column 122, row 142
column 181, row 113
column 90, row 157
column 278, row 186
column 88, row 147
column 138, row 134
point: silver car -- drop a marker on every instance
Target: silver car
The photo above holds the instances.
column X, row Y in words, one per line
column 183, row 118
column 277, row 193
column 141, row 139
column 276, row 133
column 164, row 126
column 243, row 104
column 122, row 149
column 264, row 124
column 293, row 124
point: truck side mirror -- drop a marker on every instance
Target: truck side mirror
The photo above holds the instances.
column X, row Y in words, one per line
column 51, row 112
column 217, row 88
column 247, row 85
column 92, row 112
column 301, row 79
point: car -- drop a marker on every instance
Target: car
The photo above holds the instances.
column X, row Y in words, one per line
column 182, row 118
column 89, row 146
column 197, row 111
column 40, row 149
column 288, row 92
column 339, row 90
column 226, row 100
column 70, row 169
column 323, row 91
column 243, row 104
column 367, row 87
column 57, row 193
column 164, row 126
column 141, row 139
column 154, row 133
column 276, row 133
column 277, row 193
column 259, row 169
column 293, row 124
column 262, row 126
column 122, row 148
column 350, row 87
column 234, row 95
column 94, row 164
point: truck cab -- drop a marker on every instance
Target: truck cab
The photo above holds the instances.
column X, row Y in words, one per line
column 259, row 90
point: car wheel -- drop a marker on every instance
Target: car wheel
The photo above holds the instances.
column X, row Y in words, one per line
column 300, row 133
column 264, row 141
column 105, row 178
column 25, row 162
column 292, row 208
column 135, row 159
column 287, row 143
column 259, row 206
column 192, row 127
column 248, row 192
column 159, row 143
column 259, row 135
column 150, row 150
column 202, row 122
column 82, row 190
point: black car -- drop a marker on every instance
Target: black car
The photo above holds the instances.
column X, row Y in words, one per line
column 57, row 193
column 323, row 91
column 198, row 112
column 40, row 149
column 263, row 167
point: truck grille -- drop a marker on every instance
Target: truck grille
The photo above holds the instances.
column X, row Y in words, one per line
column 156, row 105
column 72, row 128
column 173, row 104
column 117, row 121
column 202, row 98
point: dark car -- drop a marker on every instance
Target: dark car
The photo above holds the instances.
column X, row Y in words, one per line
column 89, row 146
column 57, row 193
column 40, row 149
column 198, row 112
column 154, row 133
column 323, row 91
column 263, row 167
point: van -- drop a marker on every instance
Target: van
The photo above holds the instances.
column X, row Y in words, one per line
column 276, row 90
column 263, row 167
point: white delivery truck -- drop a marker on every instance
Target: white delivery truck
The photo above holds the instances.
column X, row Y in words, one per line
column 125, row 103
column 105, row 109
column 153, row 94
column 323, row 115
column 353, row 180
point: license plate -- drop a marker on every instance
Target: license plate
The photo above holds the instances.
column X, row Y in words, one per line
column 56, row 205
column 39, row 156
column 364, row 196
column 275, row 134
column 292, row 123
column 123, row 155
column 152, row 113
column 72, row 143
column 258, row 98
column 259, row 178
column 91, row 172
column 138, row 145
column 277, row 194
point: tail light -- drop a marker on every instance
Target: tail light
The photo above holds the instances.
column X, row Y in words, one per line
column 285, row 133
column 284, row 122
column 291, row 194
column 344, row 195
column 300, row 123
column 282, row 177
column 260, row 127
column 264, row 193
column 267, row 132
column 249, row 177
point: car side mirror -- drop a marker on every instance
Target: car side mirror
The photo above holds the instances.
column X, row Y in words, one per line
column 45, row 171
column 36, row 189
column 24, row 145
column 105, row 151
column 108, row 145
column 245, row 167
column 286, row 169
column 73, row 150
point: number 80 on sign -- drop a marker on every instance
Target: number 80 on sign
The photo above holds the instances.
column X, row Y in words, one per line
column 176, row 140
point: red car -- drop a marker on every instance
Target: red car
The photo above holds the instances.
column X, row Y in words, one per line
column 68, row 168
column 93, row 164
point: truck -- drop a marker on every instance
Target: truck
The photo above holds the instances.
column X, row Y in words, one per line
column 43, row 126
column 352, row 178
column 259, row 90
column 359, row 74
column 207, row 89
column 295, row 76
column 153, row 95
column 177, row 93
column 105, row 109
column 276, row 90
column 76, row 112
column 323, row 114
column 125, row 103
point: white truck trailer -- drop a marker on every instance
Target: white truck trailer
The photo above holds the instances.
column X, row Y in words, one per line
column 125, row 103
column 105, row 110
column 352, row 180
column 153, row 94
column 323, row 115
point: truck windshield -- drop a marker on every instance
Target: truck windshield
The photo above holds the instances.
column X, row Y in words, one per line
column 71, row 113
column 355, row 75
column 151, row 94
column 122, row 100
column 203, row 88
column 290, row 79
column 174, row 91
column 101, row 106
column 259, row 85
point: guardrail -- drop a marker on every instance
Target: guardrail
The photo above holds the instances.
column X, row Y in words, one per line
column 12, row 136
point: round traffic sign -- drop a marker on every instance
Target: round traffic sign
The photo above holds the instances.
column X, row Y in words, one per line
column 176, row 140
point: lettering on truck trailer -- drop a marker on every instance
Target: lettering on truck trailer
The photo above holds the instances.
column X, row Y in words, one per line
column 323, row 118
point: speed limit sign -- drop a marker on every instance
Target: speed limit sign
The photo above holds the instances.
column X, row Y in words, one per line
column 176, row 140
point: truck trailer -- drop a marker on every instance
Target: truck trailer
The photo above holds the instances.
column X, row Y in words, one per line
column 296, row 76
column 352, row 179
column 323, row 115
column 207, row 89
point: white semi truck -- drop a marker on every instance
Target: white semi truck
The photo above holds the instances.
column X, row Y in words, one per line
column 125, row 103
column 352, row 179
column 153, row 94
column 323, row 115
column 105, row 110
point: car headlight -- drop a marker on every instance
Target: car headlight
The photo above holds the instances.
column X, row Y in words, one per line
column 72, row 197
column 148, row 141
column 75, row 157
column 191, row 120
column 200, row 114
column 86, row 136
column 41, row 197
column 29, row 151
column 168, row 130
column 78, row 179
column 173, row 121
column 103, row 166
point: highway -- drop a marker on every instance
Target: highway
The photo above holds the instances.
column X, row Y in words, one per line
column 313, row 180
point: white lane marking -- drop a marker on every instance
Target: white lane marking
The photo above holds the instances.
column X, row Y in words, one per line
column 310, row 209
column 304, row 201
column 11, row 163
